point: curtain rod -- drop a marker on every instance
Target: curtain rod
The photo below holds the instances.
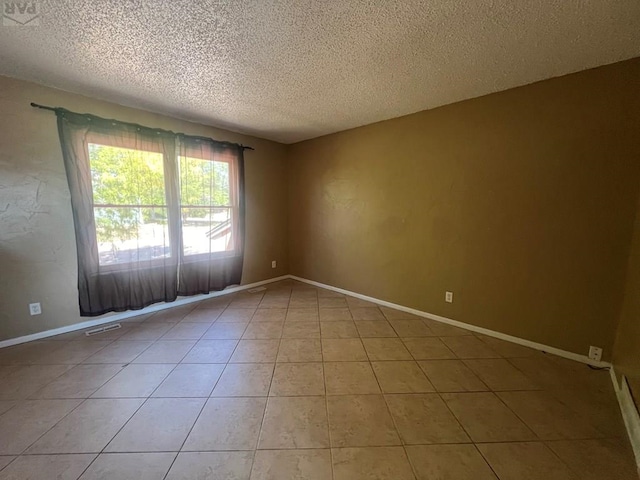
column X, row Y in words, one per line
column 55, row 109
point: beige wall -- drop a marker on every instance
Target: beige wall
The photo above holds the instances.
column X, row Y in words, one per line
column 520, row 202
column 37, row 244
column 626, row 353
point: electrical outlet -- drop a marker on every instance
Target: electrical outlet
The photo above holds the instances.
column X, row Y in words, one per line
column 35, row 309
column 448, row 297
column 273, row 264
column 595, row 353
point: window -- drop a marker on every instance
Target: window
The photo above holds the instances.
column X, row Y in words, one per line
column 156, row 214
column 131, row 212
column 129, row 204
column 205, row 206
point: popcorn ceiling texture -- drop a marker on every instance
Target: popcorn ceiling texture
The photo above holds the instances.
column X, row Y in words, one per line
column 297, row 69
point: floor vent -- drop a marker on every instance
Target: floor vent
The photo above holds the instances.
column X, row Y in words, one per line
column 106, row 328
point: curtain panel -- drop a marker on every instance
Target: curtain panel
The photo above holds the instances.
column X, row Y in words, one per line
column 156, row 214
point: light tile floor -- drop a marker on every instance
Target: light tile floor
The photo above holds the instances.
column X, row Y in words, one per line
column 297, row 382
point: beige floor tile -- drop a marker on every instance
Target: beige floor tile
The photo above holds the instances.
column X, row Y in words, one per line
column 236, row 315
column 486, row 418
column 428, row 348
column 401, row 377
column 211, row 351
column 424, row 419
column 27, row 421
column 525, row 461
column 263, row 330
column 325, row 293
column 299, row 350
column 295, row 422
column 375, row 328
column 508, row 349
column 393, row 314
column 499, row 375
column 135, row 381
column 332, row 302
column 547, row 417
column 47, row 467
column 19, row 382
column 211, row 466
column 448, row 462
column 186, row 331
column 354, row 302
column 126, row 466
column 216, row 303
column 360, row 420
column 469, row 347
column 225, row 331
column 444, row 330
column 303, row 303
column 597, row 459
column 173, row 314
column 29, row 353
column 368, row 313
column 270, row 314
column 255, row 351
column 161, row 425
column 7, row 405
column 148, row 331
column 335, row 314
column 309, row 464
column 74, row 352
column 451, row 376
column 88, row 428
column 340, row 329
column 304, row 314
column 292, row 379
column 343, row 350
column 202, row 315
column 301, row 330
column 385, row 349
column 244, row 380
column 166, row 351
column 246, row 300
column 379, row 463
column 79, row 382
column 350, row 378
column 227, row 424
column 120, row 352
column 411, row 328
column 190, row 380
column 277, row 302
column 5, row 460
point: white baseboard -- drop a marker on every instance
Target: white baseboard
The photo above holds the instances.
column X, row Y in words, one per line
column 467, row 326
column 629, row 413
column 132, row 313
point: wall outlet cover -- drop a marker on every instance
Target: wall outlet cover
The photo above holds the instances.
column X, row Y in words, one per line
column 448, row 297
column 35, row 309
column 595, row 353
column 273, row 264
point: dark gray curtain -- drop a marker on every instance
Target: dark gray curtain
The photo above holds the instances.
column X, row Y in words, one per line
column 136, row 243
column 216, row 262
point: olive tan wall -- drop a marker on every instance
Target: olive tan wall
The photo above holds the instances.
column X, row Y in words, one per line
column 521, row 203
column 37, row 244
column 626, row 353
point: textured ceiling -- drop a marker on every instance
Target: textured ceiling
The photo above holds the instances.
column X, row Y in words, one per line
column 290, row 70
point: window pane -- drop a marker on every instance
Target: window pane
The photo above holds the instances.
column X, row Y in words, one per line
column 204, row 182
column 131, row 234
column 121, row 176
column 206, row 230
